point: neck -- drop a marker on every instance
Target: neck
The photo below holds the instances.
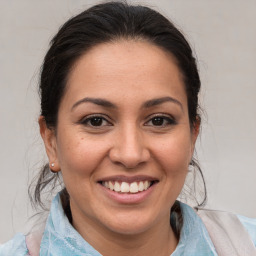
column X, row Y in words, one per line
column 158, row 240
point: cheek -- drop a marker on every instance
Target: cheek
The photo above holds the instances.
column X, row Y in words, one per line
column 174, row 154
column 79, row 155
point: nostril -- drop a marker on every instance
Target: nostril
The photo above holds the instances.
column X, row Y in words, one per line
column 129, row 158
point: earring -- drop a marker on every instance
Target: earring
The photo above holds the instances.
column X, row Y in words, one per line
column 52, row 166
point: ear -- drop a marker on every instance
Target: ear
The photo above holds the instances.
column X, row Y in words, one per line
column 49, row 137
column 195, row 131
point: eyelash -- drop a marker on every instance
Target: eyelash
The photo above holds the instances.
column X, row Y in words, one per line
column 164, row 121
column 168, row 121
column 85, row 121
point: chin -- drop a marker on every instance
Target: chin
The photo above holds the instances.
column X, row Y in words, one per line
column 130, row 224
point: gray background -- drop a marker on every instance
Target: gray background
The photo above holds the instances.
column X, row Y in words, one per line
column 223, row 35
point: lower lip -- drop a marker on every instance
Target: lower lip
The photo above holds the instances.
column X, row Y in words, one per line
column 128, row 198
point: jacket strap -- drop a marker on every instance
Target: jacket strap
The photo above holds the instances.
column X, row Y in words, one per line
column 227, row 233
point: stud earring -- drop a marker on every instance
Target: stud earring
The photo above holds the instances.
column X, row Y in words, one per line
column 52, row 166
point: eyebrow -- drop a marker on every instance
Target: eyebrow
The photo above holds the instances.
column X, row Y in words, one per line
column 159, row 101
column 97, row 101
column 108, row 104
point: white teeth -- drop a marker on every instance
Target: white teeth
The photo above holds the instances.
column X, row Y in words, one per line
column 141, row 186
column 124, row 187
column 117, row 187
column 146, row 184
column 105, row 183
column 134, row 187
column 110, row 185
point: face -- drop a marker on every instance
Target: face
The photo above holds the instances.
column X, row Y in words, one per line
column 123, row 141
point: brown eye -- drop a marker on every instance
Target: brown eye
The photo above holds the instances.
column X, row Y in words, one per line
column 160, row 121
column 95, row 121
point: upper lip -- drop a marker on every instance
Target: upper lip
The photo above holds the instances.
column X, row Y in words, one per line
column 128, row 179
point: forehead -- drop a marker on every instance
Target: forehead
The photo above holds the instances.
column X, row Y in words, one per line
column 124, row 68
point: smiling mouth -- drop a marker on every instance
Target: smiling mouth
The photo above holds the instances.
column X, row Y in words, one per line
column 125, row 187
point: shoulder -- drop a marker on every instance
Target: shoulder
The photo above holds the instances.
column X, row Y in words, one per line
column 16, row 246
column 250, row 226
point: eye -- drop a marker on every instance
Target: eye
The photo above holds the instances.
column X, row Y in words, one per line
column 95, row 121
column 160, row 121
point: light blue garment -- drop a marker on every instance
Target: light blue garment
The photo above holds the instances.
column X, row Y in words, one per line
column 16, row 246
column 60, row 238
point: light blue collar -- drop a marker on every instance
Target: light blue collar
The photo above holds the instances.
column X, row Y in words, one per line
column 194, row 238
column 60, row 238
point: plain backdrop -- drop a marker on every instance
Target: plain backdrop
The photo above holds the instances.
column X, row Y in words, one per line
column 223, row 36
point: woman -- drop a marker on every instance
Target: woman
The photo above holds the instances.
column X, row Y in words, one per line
column 119, row 120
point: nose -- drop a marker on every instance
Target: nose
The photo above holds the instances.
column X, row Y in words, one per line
column 129, row 148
